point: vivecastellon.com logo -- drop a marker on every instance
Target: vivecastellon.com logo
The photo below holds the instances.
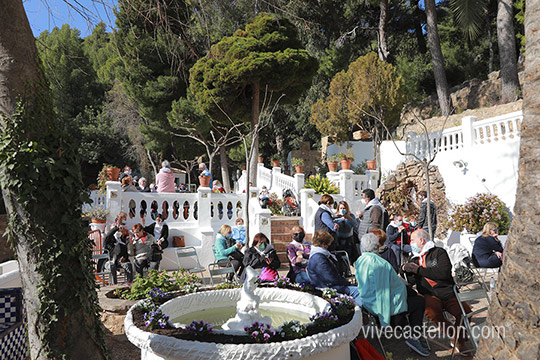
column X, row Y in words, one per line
column 431, row 331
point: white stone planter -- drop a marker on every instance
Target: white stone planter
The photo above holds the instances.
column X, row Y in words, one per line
column 333, row 344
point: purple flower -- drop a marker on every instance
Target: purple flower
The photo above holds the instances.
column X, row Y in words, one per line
column 266, row 336
column 255, row 334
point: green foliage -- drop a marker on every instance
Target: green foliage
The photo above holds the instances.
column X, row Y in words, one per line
column 276, row 204
column 469, row 15
column 370, row 89
column 297, row 161
column 292, row 330
column 321, row 185
column 95, row 211
column 477, row 211
column 155, row 279
column 360, row 169
column 226, row 285
column 266, row 55
column 184, row 278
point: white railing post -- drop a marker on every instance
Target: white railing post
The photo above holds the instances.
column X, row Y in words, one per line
column 372, row 179
column 346, row 185
column 114, row 199
column 203, row 200
column 299, row 182
column 467, row 131
column 308, row 220
column 275, row 172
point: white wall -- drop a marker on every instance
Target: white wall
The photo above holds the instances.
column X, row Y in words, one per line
column 390, row 156
column 362, row 150
column 491, row 158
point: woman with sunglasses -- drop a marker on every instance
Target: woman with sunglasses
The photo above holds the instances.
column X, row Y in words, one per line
column 488, row 250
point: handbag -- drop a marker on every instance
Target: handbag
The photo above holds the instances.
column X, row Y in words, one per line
column 178, row 241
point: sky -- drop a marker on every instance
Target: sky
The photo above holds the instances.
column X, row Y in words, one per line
column 46, row 14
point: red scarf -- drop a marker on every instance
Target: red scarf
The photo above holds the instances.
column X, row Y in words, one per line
column 422, row 263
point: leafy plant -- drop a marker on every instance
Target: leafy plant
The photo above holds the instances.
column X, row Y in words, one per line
column 349, row 155
column 98, row 212
column 200, row 328
column 329, row 293
column 324, row 319
column 276, row 204
column 306, row 286
column 156, row 295
column 342, row 305
column 477, row 211
column 321, row 185
column 103, row 177
column 360, row 169
column 333, row 158
column 297, row 161
column 292, row 330
column 282, row 282
column 226, row 285
column 184, row 278
column 155, row 318
column 260, row 332
column 155, row 279
column 276, row 157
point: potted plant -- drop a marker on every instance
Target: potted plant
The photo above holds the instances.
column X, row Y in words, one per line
column 97, row 214
column 371, row 164
column 107, row 173
column 298, row 165
column 260, row 159
column 204, row 180
column 346, row 159
column 275, row 160
column 332, row 162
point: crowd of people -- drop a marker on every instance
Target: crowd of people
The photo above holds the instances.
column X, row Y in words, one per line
column 165, row 181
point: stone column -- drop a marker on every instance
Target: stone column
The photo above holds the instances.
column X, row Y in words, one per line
column 114, row 200
column 346, row 185
column 299, row 182
column 308, row 220
column 468, row 132
column 373, row 179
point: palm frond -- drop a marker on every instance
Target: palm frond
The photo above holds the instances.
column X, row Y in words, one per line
column 469, row 15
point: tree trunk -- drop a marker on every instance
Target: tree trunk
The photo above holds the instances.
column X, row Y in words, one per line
column 383, row 20
column 224, row 168
column 490, row 43
column 42, row 189
column 510, row 89
column 437, row 58
column 255, row 111
column 515, row 305
column 419, row 33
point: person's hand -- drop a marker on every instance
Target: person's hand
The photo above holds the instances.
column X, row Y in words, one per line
column 238, row 245
column 410, row 267
column 401, row 228
column 336, row 226
column 359, row 214
column 299, row 256
column 267, row 260
column 499, row 254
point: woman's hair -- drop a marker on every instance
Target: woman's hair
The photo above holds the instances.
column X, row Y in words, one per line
column 126, row 180
column 487, row 228
column 369, row 243
column 137, row 227
column 259, row 238
column 120, row 215
column 225, row 229
column 297, row 228
column 142, row 179
column 160, row 216
column 165, row 164
column 322, row 239
column 381, row 235
column 239, row 221
column 346, row 205
column 327, row 199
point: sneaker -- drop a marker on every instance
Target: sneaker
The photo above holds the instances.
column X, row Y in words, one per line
column 415, row 345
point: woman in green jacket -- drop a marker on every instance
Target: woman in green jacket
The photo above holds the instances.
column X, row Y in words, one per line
column 228, row 254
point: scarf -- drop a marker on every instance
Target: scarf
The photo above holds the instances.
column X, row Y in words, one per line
column 428, row 246
column 324, row 207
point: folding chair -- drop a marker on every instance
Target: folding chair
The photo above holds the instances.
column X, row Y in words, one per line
column 373, row 320
column 465, row 296
column 217, row 270
column 188, row 252
column 101, row 256
column 342, row 254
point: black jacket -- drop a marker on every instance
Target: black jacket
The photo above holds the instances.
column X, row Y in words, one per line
column 164, row 233
column 387, row 254
column 439, row 269
column 254, row 259
column 110, row 243
column 422, row 218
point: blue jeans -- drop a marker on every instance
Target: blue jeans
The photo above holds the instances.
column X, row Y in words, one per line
column 301, row 277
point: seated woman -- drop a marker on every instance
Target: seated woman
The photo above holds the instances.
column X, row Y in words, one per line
column 264, row 197
column 127, row 185
column 140, row 246
column 322, row 267
column 116, row 240
column 160, row 231
column 384, row 251
column 385, row 295
column 217, row 187
column 298, row 254
column 262, row 254
column 345, row 232
column 487, row 250
column 231, row 254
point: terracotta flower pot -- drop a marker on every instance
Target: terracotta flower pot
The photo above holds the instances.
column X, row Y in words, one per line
column 260, row 159
column 112, row 173
column 98, row 221
column 204, row 180
column 275, row 163
column 371, row 164
column 332, row 166
column 299, row 169
column 345, row 164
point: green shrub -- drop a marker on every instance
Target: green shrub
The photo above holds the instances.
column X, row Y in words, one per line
column 155, row 279
column 477, row 211
column 321, row 185
column 276, row 204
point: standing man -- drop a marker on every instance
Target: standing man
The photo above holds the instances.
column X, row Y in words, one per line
column 423, row 218
column 374, row 215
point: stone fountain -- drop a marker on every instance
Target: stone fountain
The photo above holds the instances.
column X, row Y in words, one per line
column 248, row 302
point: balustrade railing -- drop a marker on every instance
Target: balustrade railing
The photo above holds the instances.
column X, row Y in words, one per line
column 499, row 128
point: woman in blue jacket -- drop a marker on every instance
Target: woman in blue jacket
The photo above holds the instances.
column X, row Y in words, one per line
column 487, row 250
column 225, row 254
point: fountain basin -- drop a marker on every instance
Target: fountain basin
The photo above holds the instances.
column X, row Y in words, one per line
column 332, row 344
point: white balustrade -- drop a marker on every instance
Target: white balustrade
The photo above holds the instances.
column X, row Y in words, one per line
column 264, row 176
column 281, row 182
column 499, row 128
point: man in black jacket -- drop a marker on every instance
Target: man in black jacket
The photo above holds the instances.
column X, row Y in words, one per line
column 423, row 221
column 431, row 271
column 160, row 231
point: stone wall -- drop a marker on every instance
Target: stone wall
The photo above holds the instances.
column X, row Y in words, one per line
column 398, row 192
